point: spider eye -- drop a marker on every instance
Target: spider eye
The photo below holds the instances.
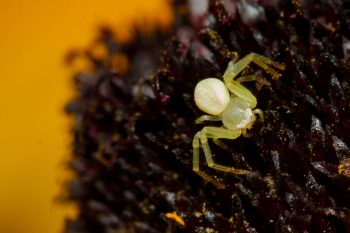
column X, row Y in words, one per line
column 211, row 96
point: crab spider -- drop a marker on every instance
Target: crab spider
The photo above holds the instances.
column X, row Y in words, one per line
column 233, row 104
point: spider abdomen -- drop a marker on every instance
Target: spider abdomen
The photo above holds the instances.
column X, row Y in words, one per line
column 211, row 96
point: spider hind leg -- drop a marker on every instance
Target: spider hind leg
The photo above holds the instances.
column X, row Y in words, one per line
column 201, row 140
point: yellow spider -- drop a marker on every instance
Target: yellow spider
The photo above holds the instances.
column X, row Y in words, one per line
column 233, row 104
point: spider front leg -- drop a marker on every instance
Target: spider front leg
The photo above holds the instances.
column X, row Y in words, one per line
column 201, row 139
column 250, row 78
column 241, row 91
column 234, row 69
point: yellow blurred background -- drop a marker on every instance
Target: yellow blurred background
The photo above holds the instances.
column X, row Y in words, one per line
column 35, row 85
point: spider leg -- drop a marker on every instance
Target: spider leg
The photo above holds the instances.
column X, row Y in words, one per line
column 196, row 145
column 258, row 112
column 203, row 118
column 242, row 92
column 218, row 132
column 201, row 139
column 234, row 69
column 221, row 144
column 249, row 78
column 246, row 134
